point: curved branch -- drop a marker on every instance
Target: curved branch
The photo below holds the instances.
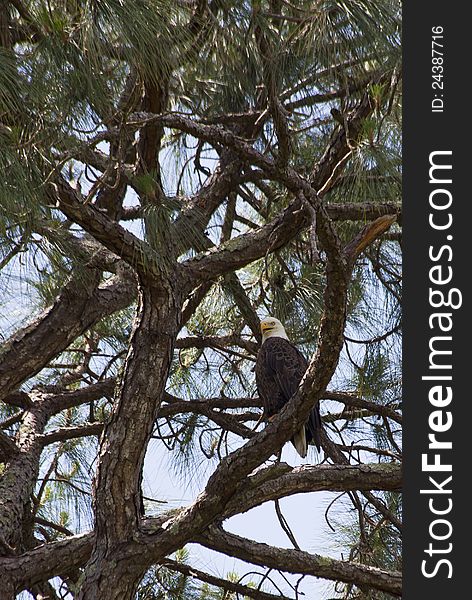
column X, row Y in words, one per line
column 308, row 478
column 137, row 253
column 296, row 561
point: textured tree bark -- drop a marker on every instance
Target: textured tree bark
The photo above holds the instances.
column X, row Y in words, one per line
column 7, row 589
column 124, row 442
column 19, row 478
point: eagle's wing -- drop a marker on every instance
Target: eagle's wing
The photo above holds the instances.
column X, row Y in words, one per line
column 289, row 366
column 267, row 386
column 280, row 367
column 296, row 366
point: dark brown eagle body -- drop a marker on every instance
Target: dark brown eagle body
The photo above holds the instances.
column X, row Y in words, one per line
column 280, row 367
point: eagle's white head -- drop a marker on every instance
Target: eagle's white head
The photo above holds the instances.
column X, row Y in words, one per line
column 272, row 327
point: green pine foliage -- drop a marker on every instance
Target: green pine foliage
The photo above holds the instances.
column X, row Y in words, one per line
column 75, row 71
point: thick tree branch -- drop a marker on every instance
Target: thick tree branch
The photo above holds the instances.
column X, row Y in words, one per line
column 249, row 247
column 44, row 562
column 57, row 400
column 112, row 235
column 296, row 561
column 261, row 487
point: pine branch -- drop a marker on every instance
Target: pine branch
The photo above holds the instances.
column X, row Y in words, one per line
column 296, row 561
column 137, row 253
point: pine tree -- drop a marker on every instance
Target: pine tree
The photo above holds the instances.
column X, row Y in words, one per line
column 172, row 172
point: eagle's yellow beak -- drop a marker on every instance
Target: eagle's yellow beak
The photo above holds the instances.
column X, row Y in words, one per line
column 266, row 327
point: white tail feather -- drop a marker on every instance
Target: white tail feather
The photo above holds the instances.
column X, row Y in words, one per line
column 299, row 441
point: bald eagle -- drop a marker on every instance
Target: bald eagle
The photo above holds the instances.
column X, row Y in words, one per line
column 280, row 367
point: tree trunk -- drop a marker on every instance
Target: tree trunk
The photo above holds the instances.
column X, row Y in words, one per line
column 124, row 442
